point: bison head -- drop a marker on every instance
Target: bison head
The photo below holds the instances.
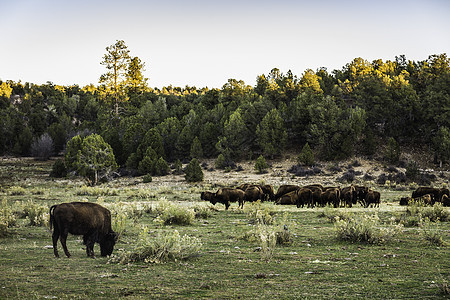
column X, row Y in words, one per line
column 107, row 244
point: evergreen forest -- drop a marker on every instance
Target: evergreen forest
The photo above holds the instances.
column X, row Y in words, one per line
column 346, row 112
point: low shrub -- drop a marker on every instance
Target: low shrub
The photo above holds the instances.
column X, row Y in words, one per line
column 58, row 169
column 147, row 178
column 261, row 165
column 202, row 211
column 95, row 191
column 334, row 215
column 257, row 214
column 193, row 171
column 7, row 217
column 170, row 213
column 16, row 191
column 432, row 233
column 36, row 214
column 365, row 229
column 166, row 246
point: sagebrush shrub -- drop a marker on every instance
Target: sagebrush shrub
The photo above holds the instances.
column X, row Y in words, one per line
column 257, row 214
column 16, row 191
column 365, row 229
column 166, row 246
column 37, row 214
column 171, row 213
column 431, row 232
column 7, row 217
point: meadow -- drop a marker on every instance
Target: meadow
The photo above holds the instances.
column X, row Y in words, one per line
column 229, row 258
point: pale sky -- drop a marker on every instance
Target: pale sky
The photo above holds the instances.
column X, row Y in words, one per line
column 204, row 43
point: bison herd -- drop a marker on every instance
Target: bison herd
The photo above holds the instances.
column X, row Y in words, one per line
column 94, row 221
column 309, row 195
column 428, row 196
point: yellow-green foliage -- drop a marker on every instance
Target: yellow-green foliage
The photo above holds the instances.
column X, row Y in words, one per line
column 16, row 191
column 95, row 191
column 171, row 213
column 365, row 229
column 7, row 217
column 431, row 232
column 36, row 214
column 333, row 214
column 257, row 214
column 165, row 246
column 415, row 214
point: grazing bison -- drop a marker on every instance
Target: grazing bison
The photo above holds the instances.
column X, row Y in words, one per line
column 304, row 196
column 348, row 196
column 268, row 192
column 284, row 189
column 436, row 194
column 82, row 218
column 372, row 197
column 288, row 198
column 207, row 196
column 253, row 193
column 227, row 196
column 445, row 200
column 330, row 196
column 405, row 200
column 361, row 192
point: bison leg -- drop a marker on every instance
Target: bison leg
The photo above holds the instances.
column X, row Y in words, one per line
column 89, row 241
column 63, row 238
column 55, row 238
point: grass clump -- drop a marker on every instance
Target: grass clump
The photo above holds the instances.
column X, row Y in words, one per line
column 432, row 233
column 7, row 217
column 166, row 246
column 36, row 214
column 416, row 213
column 257, row 214
column 171, row 213
column 16, row 191
column 334, row 215
column 365, row 229
column 95, row 191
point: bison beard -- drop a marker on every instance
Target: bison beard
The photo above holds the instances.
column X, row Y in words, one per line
column 82, row 218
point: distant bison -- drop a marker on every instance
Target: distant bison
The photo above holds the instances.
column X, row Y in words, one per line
column 436, row 194
column 253, row 193
column 284, row 189
column 288, row 198
column 225, row 196
column 82, row 218
column 445, row 200
column 372, row 198
column 304, row 197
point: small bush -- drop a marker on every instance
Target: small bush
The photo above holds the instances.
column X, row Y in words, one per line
column 306, row 156
column 7, row 217
column 334, row 215
column 178, row 168
column 220, row 162
column 95, row 191
column 201, row 211
column 431, row 232
column 268, row 239
column 256, row 214
column 261, row 165
column 16, row 191
column 147, row 178
column 166, row 246
column 193, row 171
column 170, row 213
column 58, row 169
column 365, row 229
column 37, row 214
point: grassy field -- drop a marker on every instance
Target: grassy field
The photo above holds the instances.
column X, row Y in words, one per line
column 230, row 265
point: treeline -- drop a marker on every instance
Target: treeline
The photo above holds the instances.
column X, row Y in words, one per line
column 339, row 114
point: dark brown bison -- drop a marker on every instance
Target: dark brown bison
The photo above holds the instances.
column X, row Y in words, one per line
column 405, row 200
column 361, row 192
column 330, row 196
column 284, row 189
column 348, row 196
column 445, row 200
column 372, row 198
column 304, row 197
column 207, row 196
column 227, row 196
column 253, row 193
column 288, row 198
column 82, row 218
column 268, row 192
column 436, row 194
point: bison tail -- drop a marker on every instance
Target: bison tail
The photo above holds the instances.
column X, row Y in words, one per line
column 52, row 218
